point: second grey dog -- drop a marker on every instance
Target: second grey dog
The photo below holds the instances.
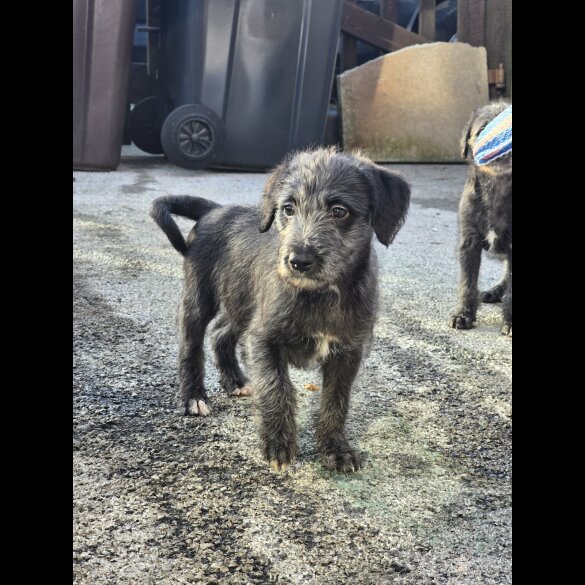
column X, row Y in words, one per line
column 485, row 223
column 296, row 279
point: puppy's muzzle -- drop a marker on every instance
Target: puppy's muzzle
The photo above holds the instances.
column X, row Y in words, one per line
column 302, row 259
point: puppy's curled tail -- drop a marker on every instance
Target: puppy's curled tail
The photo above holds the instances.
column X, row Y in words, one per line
column 185, row 206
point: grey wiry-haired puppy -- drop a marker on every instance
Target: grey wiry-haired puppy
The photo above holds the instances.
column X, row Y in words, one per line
column 485, row 222
column 304, row 290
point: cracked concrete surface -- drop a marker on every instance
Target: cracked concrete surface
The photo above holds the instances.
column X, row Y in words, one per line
column 159, row 498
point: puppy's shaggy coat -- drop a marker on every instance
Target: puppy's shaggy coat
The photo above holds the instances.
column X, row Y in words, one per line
column 295, row 280
column 485, row 222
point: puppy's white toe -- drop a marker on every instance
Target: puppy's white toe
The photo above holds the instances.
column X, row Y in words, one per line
column 204, row 410
column 198, row 408
column 243, row 391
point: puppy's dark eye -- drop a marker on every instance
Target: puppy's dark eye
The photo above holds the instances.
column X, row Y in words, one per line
column 339, row 212
column 289, row 209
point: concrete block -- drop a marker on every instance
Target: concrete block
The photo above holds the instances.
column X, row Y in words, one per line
column 412, row 105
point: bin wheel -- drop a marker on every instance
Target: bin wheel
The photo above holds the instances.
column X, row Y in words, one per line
column 192, row 136
column 145, row 121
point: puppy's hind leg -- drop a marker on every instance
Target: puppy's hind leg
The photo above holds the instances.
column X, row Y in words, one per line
column 507, row 301
column 195, row 314
column 496, row 293
column 339, row 372
column 225, row 339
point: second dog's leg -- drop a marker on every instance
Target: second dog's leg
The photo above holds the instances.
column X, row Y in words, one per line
column 470, row 259
column 225, row 341
column 507, row 301
column 339, row 372
column 496, row 293
column 194, row 318
column 276, row 402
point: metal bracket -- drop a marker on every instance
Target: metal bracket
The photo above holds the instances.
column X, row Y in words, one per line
column 497, row 78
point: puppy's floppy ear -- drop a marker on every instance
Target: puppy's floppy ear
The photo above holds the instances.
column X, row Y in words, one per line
column 268, row 203
column 465, row 136
column 390, row 201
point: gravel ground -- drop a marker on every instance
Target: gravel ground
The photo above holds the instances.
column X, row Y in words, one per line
column 159, row 498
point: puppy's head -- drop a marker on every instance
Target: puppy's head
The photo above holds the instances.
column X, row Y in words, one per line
column 326, row 207
column 479, row 119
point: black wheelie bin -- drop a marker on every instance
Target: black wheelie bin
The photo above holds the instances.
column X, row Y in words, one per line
column 242, row 82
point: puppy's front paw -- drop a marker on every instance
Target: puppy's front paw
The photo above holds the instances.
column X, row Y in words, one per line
column 346, row 460
column 278, row 466
column 279, row 455
column 197, row 408
column 462, row 321
column 507, row 329
column 243, row 391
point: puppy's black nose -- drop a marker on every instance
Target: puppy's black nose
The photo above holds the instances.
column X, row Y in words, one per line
column 302, row 259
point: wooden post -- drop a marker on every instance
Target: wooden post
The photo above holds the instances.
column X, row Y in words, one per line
column 471, row 22
column 389, row 9
column 488, row 23
column 498, row 37
column 348, row 49
column 427, row 19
